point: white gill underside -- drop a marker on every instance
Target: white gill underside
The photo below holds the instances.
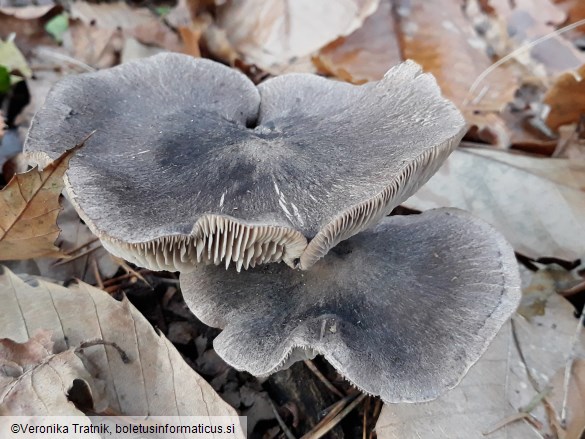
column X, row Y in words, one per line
column 215, row 240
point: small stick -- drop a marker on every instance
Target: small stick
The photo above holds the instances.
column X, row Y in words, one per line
column 323, row 379
column 574, row 290
column 568, row 369
column 514, row 418
column 96, row 273
column 75, row 249
column 130, row 270
column 73, row 258
column 323, row 427
column 516, row 52
column 364, row 425
column 92, row 343
column 281, row 422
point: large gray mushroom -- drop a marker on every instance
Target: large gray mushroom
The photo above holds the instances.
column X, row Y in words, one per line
column 191, row 162
column 402, row 311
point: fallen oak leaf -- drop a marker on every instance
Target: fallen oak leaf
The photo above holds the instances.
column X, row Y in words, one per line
column 29, row 206
column 34, row 380
column 504, row 394
column 366, row 54
column 565, row 99
column 272, row 35
column 536, row 203
column 156, row 381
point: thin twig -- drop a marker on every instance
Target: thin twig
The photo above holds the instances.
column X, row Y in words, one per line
column 322, row 378
column 130, row 270
column 324, row 427
column 516, row 52
column 73, row 258
column 568, row 369
column 574, row 290
column 514, row 418
column 281, row 422
column 79, row 247
column 96, row 273
column 550, row 411
column 43, row 51
column 364, row 424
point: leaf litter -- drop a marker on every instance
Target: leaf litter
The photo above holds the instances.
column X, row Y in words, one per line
column 516, row 95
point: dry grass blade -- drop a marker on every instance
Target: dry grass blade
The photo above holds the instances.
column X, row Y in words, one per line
column 29, row 206
column 330, row 421
column 322, row 378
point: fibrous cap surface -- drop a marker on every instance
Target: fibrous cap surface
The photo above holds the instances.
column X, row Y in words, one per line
column 191, row 162
column 402, row 310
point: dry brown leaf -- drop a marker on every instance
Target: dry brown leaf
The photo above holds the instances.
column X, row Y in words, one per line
column 156, row 381
column 529, row 20
column 537, row 203
column 118, row 17
column 443, row 40
column 575, row 10
column 440, row 37
column 29, row 206
column 34, row 380
column 76, row 240
column 274, row 34
column 366, row 54
column 98, row 47
column 566, row 99
column 497, row 387
column 29, row 32
column 191, row 35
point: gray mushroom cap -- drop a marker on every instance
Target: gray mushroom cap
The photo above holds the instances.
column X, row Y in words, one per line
column 402, row 311
column 192, row 162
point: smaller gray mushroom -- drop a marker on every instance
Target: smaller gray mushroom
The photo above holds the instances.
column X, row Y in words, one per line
column 402, row 311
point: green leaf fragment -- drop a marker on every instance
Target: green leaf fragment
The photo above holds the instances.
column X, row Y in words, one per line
column 4, row 80
column 13, row 60
column 57, row 26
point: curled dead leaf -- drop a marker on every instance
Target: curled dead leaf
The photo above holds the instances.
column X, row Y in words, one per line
column 155, row 381
column 29, row 206
column 537, row 203
column 34, row 380
column 566, row 98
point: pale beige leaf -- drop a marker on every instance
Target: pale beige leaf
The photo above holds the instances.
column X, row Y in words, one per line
column 13, row 59
column 29, row 206
column 97, row 32
column 537, row 203
column 27, row 12
column 496, row 387
column 472, row 408
column 156, row 381
column 34, row 380
column 273, row 34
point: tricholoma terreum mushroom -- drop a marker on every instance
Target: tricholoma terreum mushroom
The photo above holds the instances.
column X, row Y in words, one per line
column 192, row 164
